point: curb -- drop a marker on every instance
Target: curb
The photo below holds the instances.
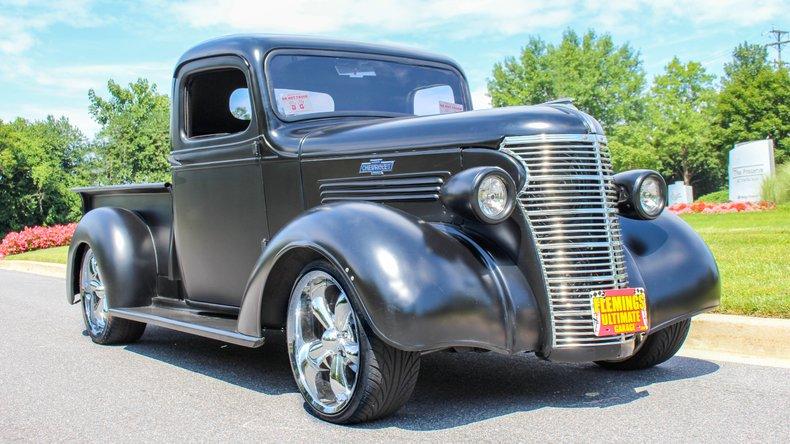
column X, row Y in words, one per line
column 750, row 339
column 42, row 268
column 767, row 338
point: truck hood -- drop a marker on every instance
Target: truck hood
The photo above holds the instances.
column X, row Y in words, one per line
column 483, row 128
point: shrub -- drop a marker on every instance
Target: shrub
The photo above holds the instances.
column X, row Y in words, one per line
column 711, row 208
column 36, row 238
column 777, row 187
column 720, row 196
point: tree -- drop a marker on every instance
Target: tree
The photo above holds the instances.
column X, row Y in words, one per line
column 134, row 141
column 39, row 164
column 604, row 80
column 754, row 102
column 680, row 116
column 631, row 147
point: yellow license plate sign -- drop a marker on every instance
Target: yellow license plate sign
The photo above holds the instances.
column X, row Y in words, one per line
column 619, row 311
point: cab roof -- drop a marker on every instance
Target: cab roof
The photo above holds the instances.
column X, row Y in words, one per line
column 254, row 47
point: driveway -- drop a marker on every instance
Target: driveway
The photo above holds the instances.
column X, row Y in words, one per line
column 56, row 385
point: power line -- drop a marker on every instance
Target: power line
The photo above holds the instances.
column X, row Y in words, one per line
column 778, row 34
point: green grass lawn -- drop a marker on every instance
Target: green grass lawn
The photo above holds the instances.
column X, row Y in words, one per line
column 752, row 250
column 753, row 253
column 56, row 255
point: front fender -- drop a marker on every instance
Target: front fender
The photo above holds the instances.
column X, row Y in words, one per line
column 419, row 287
column 673, row 264
column 124, row 247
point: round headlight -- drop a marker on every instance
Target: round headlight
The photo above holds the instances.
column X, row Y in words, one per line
column 492, row 197
column 486, row 194
column 651, row 196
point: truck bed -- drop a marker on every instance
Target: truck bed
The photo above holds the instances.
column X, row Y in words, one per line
column 152, row 202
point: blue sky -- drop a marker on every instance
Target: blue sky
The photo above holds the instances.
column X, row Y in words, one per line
column 51, row 53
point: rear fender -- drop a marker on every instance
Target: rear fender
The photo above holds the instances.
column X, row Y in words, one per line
column 124, row 247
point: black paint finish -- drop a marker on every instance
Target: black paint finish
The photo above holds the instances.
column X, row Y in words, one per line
column 247, row 210
column 123, row 244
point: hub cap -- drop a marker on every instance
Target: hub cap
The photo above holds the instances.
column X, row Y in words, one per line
column 92, row 290
column 323, row 342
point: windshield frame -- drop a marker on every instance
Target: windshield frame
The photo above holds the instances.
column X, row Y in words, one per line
column 467, row 100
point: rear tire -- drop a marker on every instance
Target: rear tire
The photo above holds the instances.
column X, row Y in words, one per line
column 102, row 328
column 326, row 338
column 655, row 349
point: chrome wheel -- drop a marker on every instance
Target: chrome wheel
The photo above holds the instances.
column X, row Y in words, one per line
column 323, row 341
column 94, row 302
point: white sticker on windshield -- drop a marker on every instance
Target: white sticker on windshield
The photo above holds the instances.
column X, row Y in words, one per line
column 450, row 107
column 292, row 102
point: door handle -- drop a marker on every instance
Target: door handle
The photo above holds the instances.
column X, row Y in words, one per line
column 173, row 161
column 256, row 148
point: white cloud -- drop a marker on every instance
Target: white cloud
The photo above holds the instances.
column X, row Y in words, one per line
column 21, row 20
column 734, row 12
column 462, row 19
column 384, row 16
column 77, row 115
column 76, row 80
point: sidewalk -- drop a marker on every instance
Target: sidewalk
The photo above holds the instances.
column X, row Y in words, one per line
column 751, row 340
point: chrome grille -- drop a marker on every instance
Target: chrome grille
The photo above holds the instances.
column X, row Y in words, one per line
column 570, row 203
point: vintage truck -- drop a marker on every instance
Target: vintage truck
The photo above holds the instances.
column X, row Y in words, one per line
column 348, row 195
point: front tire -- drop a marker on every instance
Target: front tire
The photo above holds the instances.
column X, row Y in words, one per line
column 102, row 328
column 655, row 349
column 345, row 373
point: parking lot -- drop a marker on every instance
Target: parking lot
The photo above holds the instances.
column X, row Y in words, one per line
column 55, row 384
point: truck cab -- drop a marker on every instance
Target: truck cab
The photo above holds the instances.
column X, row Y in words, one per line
column 347, row 194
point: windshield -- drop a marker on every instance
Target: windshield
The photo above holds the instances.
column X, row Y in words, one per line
column 305, row 86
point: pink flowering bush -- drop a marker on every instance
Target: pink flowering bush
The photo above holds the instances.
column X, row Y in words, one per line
column 36, row 238
column 715, row 208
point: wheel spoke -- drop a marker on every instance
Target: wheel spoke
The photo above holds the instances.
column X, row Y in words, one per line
column 309, row 358
column 352, row 356
column 319, row 354
column 94, row 268
column 97, row 287
column 342, row 313
column 337, row 378
column 320, row 308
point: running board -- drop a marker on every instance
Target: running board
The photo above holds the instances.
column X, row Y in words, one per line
column 189, row 321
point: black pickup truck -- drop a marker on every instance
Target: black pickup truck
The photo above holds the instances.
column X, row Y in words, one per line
column 349, row 195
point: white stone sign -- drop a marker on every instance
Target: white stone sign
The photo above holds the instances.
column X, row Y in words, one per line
column 750, row 164
column 680, row 193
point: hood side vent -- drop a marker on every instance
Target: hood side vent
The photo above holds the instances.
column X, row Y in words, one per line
column 410, row 187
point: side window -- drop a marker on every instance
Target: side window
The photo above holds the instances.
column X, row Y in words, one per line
column 217, row 103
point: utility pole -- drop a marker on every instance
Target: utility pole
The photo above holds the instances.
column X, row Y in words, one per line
column 778, row 34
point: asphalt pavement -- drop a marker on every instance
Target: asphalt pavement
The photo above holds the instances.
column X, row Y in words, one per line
column 56, row 385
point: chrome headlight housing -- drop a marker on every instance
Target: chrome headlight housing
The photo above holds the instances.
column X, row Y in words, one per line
column 642, row 193
column 483, row 193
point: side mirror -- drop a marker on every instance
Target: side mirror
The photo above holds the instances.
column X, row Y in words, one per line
column 240, row 105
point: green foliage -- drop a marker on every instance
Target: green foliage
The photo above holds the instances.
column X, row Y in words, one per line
column 39, row 163
column 721, row 196
column 134, row 141
column 680, row 116
column 604, row 80
column 777, row 187
column 754, row 102
column 631, row 148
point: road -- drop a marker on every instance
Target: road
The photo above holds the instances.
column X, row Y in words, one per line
column 56, row 385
